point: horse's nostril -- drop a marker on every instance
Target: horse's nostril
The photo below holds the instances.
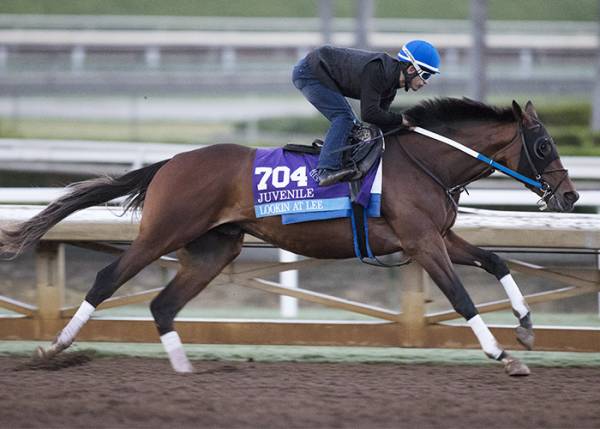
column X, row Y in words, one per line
column 571, row 197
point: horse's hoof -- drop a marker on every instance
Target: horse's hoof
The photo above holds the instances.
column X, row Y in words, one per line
column 42, row 354
column 55, row 348
column 514, row 367
column 526, row 337
column 39, row 353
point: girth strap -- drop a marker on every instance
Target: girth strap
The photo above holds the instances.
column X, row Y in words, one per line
column 360, row 232
column 360, row 237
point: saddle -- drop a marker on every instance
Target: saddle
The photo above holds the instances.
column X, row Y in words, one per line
column 364, row 147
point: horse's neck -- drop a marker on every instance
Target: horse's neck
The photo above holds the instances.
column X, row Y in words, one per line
column 494, row 139
column 453, row 167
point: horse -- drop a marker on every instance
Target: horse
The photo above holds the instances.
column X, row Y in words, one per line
column 200, row 204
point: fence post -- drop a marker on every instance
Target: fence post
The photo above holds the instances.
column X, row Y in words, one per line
column 364, row 23
column 413, row 305
column 288, row 306
column 326, row 20
column 3, row 58
column 598, row 268
column 50, row 284
column 477, row 83
column 77, row 58
column 595, row 123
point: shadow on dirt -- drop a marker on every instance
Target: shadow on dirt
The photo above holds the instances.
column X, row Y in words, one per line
column 61, row 361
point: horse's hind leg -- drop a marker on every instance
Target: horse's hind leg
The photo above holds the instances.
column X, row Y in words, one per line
column 464, row 253
column 201, row 261
column 140, row 254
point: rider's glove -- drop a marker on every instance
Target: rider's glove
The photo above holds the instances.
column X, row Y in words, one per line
column 407, row 121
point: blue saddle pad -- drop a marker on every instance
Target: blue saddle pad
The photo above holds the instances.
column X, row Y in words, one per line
column 283, row 186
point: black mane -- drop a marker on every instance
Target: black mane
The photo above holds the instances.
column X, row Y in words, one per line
column 444, row 111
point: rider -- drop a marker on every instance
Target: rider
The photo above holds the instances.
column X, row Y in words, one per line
column 329, row 74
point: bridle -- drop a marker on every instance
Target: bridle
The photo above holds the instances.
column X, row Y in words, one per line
column 537, row 153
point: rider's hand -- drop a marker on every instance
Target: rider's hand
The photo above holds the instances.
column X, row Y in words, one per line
column 407, row 122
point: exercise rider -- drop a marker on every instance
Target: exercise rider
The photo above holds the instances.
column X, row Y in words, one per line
column 327, row 75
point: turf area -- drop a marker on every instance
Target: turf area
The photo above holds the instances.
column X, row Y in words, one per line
column 312, row 354
column 583, row 10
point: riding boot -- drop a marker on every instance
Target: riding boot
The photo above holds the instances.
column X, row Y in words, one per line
column 327, row 177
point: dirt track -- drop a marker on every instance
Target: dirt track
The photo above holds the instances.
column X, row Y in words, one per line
column 139, row 392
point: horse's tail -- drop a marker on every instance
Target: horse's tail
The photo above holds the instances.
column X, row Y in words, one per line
column 14, row 240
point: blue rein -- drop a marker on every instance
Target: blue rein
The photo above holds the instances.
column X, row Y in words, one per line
column 483, row 158
column 510, row 172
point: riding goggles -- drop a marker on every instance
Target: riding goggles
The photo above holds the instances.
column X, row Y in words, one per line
column 425, row 75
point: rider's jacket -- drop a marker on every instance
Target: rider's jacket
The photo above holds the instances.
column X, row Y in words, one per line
column 371, row 77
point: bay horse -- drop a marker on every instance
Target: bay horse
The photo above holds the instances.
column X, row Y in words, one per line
column 200, row 204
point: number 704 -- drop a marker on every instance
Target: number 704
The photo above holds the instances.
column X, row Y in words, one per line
column 280, row 177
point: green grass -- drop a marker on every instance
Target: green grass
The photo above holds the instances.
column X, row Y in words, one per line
column 567, row 121
column 313, row 354
column 574, row 141
column 142, row 131
column 580, row 10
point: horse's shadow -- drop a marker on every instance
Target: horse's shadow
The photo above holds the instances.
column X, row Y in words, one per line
column 58, row 362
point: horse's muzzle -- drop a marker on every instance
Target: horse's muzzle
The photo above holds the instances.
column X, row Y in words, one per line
column 563, row 203
column 570, row 198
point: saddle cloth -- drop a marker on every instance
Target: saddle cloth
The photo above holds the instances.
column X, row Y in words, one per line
column 282, row 186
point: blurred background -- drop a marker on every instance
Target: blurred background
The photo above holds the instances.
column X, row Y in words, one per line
column 92, row 87
column 210, row 71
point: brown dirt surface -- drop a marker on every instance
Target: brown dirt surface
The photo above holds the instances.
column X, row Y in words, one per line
column 82, row 390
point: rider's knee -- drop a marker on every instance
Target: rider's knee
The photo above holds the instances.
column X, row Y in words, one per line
column 345, row 118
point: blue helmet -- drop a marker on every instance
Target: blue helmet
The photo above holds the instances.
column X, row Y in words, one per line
column 420, row 54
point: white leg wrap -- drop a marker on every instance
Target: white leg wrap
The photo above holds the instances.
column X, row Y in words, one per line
column 486, row 339
column 517, row 301
column 67, row 335
column 177, row 356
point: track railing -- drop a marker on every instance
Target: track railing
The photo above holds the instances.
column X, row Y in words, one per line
column 98, row 229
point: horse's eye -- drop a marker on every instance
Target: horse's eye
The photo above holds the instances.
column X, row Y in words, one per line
column 542, row 147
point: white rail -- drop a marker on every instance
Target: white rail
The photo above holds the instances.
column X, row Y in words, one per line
column 114, row 152
column 270, row 39
column 88, row 152
column 476, row 197
column 135, row 155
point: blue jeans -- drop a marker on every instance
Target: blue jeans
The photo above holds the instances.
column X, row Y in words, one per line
column 333, row 106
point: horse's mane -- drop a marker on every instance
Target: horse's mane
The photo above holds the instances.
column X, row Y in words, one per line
column 444, row 111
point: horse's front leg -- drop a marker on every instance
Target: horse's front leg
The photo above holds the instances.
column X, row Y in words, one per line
column 429, row 250
column 464, row 253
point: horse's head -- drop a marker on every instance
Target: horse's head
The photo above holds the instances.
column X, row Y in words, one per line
column 539, row 160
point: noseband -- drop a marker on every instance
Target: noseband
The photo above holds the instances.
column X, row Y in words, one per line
column 536, row 157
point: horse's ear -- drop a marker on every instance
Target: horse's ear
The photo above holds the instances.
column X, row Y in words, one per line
column 530, row 110
column 517, row 111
